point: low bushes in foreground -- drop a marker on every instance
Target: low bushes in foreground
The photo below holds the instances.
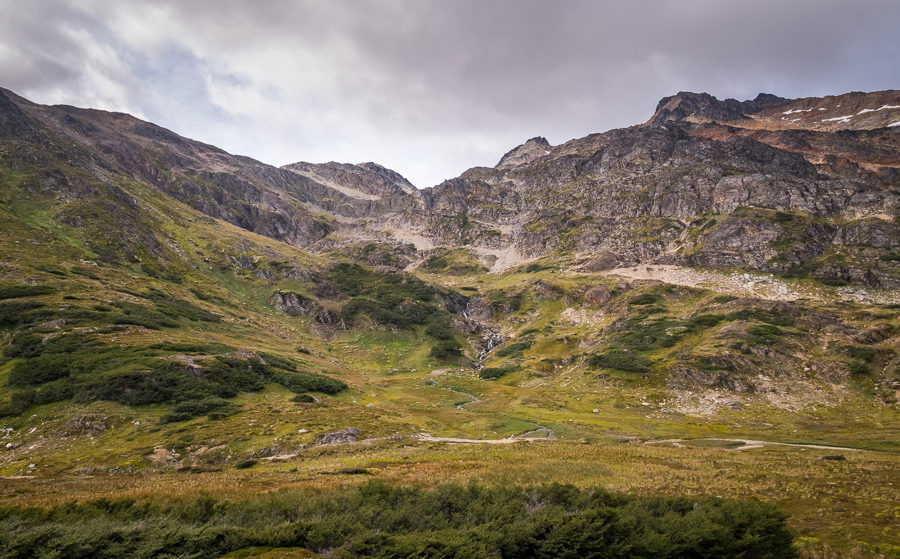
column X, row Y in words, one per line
column 378, row 520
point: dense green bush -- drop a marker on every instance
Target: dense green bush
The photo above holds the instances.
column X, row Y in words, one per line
column 301, row 381
column 179, row 308
column 644, row 299
column 769, row 317
column 8, row 291
column 446, row 349
column 763, row 334
column 141, row 315
column 377, row 520
column 19, row 401
column 439, row 328
column 13, row 312
column 212, row 405
column 621, row 360
column 705, row 321
column 493, row 373
column 866, row 354
column 859, row 368
column 200, row 348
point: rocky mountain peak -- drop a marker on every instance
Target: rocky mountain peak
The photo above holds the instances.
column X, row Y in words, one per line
column 849, row 111
column 364, row 181
column 396, row 178
column 526, row 153
column 696, row 107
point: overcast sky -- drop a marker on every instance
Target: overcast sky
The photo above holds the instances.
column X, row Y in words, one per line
column 430, row 87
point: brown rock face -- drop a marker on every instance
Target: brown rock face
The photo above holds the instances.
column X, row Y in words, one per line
column 528, row 152
column 597, row 296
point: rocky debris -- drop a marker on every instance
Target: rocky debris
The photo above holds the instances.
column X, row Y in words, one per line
column 582, row 317
column 479, row 309
column 209, row 455
column 603, row 261
column 344, row 436
column 161, row 456
column 597, row 296
column 88, row 424
column 682, row 376
column 294, row 304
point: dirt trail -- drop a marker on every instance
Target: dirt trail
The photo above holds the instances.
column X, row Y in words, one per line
column 748, row 444
column 530, row 435
column 510, row 440
column 754, row 443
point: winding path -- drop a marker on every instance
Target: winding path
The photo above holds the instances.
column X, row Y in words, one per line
column 754, row 443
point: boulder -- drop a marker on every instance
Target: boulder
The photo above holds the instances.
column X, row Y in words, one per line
column 344, row 436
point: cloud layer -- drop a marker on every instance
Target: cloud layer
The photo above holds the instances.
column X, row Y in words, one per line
column 429, row 87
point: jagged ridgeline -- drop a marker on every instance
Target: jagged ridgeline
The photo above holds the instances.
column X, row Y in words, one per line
column 723, row 276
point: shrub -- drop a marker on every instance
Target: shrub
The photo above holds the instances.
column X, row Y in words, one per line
column 644, row 299
column 493, row 373
column 278, row 361
column 621, row 360
column 705, row 320
column 446, row 349
column 18, row 403
column 15, row 291
column 201, row 348
column 866, row 354
column 439, row 329
column 535, row 267
column 301, row 381
column 377, row 520
column 84, row 272
column 764, row 334
column 141, row 315
column 14, row 312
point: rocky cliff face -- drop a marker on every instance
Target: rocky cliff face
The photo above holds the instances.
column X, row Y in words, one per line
column 850, row 111
column 703, row 183
column 802, row 187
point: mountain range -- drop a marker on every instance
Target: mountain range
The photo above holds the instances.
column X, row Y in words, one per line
column 726, row 271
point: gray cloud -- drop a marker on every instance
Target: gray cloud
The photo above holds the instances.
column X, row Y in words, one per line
column 430, row 87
